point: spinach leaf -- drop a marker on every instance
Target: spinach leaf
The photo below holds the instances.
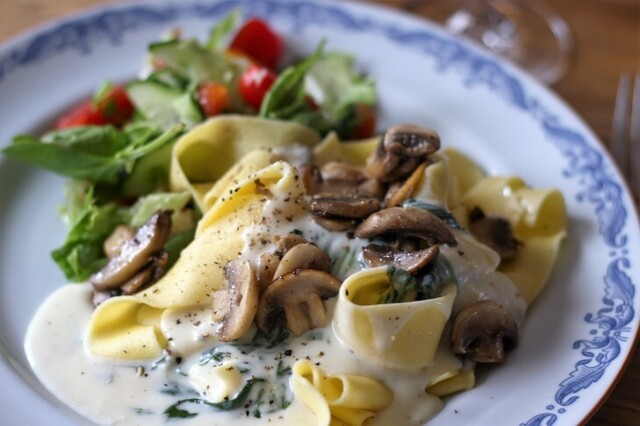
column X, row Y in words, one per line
column 426, row 285
column 174, row 411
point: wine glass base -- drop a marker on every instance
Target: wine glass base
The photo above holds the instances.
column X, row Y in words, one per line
column 525, row 32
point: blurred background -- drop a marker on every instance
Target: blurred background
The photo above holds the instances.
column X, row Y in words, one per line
column 605, row 43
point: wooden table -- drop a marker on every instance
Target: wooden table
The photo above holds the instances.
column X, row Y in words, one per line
column 607, row 43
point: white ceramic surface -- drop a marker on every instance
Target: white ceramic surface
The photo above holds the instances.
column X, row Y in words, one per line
column 577, row 335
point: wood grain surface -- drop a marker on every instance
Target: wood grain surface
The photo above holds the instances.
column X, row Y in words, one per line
column 607, row 43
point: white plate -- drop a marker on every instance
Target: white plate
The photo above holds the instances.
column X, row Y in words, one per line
column 577, row 335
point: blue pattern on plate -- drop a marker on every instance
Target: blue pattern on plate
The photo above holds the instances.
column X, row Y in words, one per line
column 601, row 188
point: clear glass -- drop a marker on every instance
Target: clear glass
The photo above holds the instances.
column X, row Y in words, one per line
column 526, row 32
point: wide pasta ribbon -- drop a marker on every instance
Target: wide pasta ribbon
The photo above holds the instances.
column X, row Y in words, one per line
column 397, row 335
column 202, row 156
column 340, row 399
column 129, row 326
column 538, row 218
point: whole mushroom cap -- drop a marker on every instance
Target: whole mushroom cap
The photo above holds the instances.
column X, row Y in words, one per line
column 483, row 332
column 406, row 221
column 295, row 295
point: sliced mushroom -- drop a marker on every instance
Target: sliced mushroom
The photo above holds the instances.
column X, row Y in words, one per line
column 135, row 253
column 372, row 188
column 311, row 178
column 304, row 256
column 495, row 232
column 336, row 170
column 334, row 225
column 148, row 275
column 114, row 243
column 405, row 190
column 343, row 207
column 410, row 261
column 236, row 306
column 286, row 242
column 411, row 141
column 267, row 265
column 483, row 332
column 406, row 221
column 297, row 296
column 381, row 164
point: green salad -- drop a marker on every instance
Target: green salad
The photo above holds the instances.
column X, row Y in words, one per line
column 116, row 147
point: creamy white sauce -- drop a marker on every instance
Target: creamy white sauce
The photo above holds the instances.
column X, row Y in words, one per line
column 128, row 392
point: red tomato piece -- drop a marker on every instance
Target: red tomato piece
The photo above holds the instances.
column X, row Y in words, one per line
column 259, row 41
column 365, row 121
column 114, row 108
column 213, row 98
column 254, row 84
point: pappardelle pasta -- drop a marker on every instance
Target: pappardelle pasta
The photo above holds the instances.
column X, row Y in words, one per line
column 329, row 282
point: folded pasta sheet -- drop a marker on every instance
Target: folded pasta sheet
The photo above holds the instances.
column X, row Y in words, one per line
column 203, row 156
column 129, row 326
column 398, row 335
column 347, row 399
column 538, row 218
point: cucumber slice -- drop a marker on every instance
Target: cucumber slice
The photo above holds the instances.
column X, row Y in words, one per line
column 164, row 105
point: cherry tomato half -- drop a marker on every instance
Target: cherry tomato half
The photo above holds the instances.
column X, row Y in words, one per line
column 254, row 84
column 257, row 40
column 365, row 121
column 213, row 98
column 114, row 108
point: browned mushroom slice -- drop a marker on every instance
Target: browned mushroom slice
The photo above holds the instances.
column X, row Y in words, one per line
column 114, row 243
column 336, row 170
column 410, row 261
column 406, row 221
column 343, row 207
column 148, row 275
column 304, row 256
column 238, row 303
column 285, row 242
column 334, row 225
column 406, row 189
column 380, row 164
column 311, row 178
column 372, row 188
column 495, row 232
column 135, row 253
column 483, row 332
column 267, row 265
column 298, row 297
column 410, row 141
